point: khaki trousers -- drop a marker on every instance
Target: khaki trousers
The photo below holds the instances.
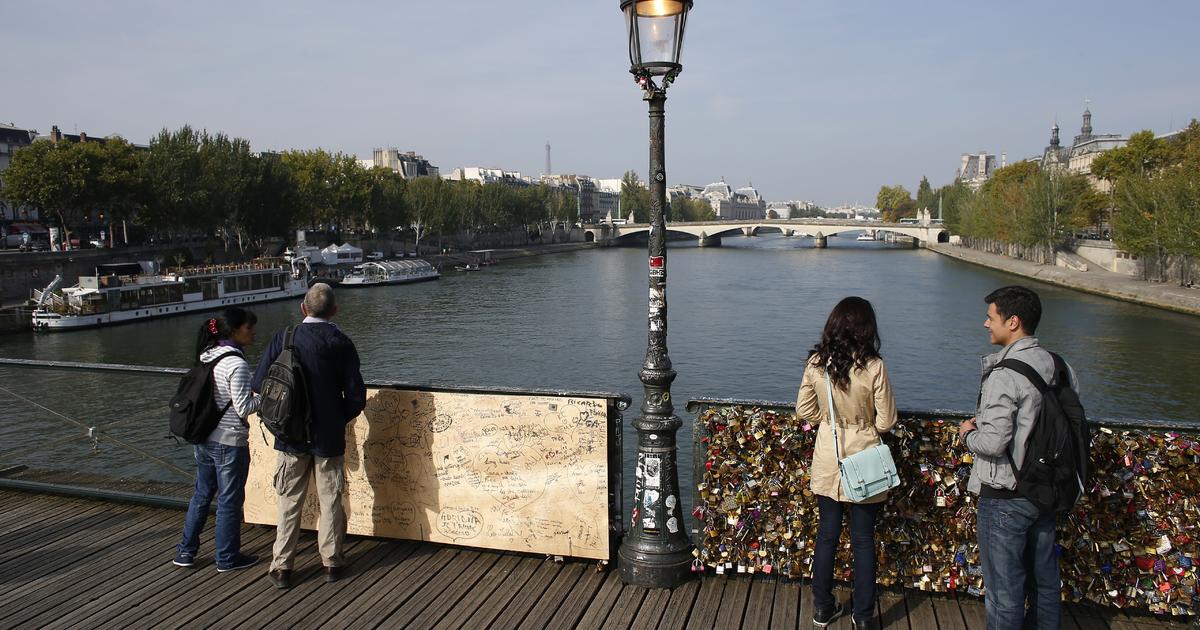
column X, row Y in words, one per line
column 292, row 473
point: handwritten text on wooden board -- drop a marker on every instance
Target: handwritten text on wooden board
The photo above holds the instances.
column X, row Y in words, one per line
column 512, row 472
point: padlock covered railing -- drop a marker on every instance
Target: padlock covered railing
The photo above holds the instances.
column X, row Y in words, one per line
column 1131, row 542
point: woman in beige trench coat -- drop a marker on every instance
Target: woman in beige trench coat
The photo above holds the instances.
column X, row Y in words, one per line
column 864, row 408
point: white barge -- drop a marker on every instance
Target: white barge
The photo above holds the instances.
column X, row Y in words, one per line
column 390, row 272
column 130, row 292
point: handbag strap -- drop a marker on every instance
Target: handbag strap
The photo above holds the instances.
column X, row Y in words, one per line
column 832, row 415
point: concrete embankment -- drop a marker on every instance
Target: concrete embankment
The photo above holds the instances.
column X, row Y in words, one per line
column 449, row 261
column 1167, row 296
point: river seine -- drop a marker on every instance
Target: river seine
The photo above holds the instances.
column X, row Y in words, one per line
column 742, row 318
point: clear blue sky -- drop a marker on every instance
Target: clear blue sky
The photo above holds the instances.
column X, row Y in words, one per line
column 814, row 101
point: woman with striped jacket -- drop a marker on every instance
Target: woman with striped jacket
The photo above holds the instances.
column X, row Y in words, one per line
column 223, row 460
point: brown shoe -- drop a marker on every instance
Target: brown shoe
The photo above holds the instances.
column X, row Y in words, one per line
column 333, row 574
column 281, row 578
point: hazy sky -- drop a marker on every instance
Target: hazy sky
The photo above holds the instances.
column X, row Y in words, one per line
column 821, row 101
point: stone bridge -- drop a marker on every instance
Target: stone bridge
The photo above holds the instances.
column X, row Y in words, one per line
column 709, row 233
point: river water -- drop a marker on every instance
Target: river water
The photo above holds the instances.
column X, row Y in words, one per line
column 742, row 318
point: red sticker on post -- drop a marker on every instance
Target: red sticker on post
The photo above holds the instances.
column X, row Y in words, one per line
column 656, row 262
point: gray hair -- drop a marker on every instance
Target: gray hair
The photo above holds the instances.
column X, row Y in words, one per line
column 319, row 301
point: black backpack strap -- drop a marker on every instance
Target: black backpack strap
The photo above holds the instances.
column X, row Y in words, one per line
column 287, row 338
column 214, row 363
column 1027, row 371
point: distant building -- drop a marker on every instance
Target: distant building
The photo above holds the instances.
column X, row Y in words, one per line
column 976, row 168
column 728, row 204
column 595, row 201
column 1084, row 150
column 13, row 138
column 408, row 164
column 794, row 208
column 489, row 176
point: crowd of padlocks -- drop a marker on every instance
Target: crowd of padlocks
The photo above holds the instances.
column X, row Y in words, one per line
column 1130, row 543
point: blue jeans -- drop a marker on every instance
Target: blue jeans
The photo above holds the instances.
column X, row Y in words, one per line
column 862, row 542
column 1016, row 547
column 221, row 471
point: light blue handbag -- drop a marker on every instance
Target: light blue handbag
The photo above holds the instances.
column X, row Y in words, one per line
column 867, row 472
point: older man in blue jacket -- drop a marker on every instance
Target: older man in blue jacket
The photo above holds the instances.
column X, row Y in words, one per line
column 336, row 395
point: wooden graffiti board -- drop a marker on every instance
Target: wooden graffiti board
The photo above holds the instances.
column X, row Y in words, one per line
column 500, row 471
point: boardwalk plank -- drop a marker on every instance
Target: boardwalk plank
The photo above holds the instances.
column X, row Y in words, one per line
column 257, row 602
column 733, row 602
column 132, row 590
column 973, row 612
column 577, row 601
column 449, row 595
column 417, row 595
column 484, row 589
column 116, row 572
column 949, row 615
column 626, row 608
column 920, row 609
column 652, row 609
column 399, row 583
column 75, row 588
column 218, row 595
column 785, row 608
column 602, row 604
column 51, row 564
column 893, row 615
column 519, row 606
column 806, row 606
column 18, row 511
column 679, row 606
column 762, row 599
column 58, row 555
column 496, row 603
column 17, row 547
column 553, row 598
column 373, row 559
column 708, row 601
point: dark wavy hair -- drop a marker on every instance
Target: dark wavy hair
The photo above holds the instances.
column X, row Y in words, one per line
column 849, row 340
column 215, row 329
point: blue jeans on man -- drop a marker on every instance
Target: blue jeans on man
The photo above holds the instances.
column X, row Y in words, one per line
column 221, row 471
column 862, row 543
column 1020, row 562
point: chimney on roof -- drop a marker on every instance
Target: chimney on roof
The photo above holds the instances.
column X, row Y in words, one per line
column 55, row 134
column 83, row 136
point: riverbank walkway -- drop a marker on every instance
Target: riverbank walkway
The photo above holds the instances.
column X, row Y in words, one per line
column 81, row 563
column 1165, row 295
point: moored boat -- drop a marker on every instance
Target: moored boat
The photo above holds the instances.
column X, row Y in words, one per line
column 390, row 272
column 134, row 291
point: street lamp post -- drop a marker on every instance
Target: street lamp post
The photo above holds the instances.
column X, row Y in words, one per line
column 655, row 552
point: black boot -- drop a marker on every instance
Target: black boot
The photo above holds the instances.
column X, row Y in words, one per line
column 824, row 617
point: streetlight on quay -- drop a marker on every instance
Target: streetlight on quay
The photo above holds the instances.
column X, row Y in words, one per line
column 655, row 552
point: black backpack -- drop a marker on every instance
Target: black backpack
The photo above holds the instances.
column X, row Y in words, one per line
column 1054, row 474
column 284, row 409
column 194, row 410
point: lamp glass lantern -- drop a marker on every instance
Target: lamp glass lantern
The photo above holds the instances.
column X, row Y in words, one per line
column 655, row 35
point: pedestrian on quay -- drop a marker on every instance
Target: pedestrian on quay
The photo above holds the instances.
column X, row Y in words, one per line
column 223, row 460
column 1016, row 538
column 864, row 408
column 336, row 395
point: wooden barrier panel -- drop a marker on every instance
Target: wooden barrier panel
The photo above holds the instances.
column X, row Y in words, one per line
column 502, row 471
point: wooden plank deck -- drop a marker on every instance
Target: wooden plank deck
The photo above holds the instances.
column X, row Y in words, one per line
column 75, row 563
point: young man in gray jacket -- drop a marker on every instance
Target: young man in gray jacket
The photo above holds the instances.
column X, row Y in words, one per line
column 1016, row 539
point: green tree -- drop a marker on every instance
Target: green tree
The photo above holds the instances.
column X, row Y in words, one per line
column 635, row 198
column 271, row 202
column 893, row 200
column 692, row 209
column 56, row 177
column 173, row 174
column 428, row 200
column 119, row 183
column 925, row 196
column 388, row 206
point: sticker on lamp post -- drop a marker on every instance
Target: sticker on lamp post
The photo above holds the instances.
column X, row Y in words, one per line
column 658, row 266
